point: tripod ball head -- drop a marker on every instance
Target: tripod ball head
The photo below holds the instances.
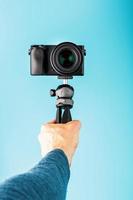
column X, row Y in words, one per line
column 64, row 101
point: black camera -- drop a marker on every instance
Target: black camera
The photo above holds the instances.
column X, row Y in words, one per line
column 64, row 60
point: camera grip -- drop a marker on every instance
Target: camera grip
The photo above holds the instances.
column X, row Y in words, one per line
column 37, row 57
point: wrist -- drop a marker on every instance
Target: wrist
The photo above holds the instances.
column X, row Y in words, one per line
column 68, row 156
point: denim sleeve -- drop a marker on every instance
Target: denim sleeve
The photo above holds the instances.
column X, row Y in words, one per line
column 46, row 181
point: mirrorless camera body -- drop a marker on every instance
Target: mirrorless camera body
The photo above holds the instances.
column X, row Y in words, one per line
column 64, row 60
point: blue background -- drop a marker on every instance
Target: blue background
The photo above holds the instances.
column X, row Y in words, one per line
column 103, row 165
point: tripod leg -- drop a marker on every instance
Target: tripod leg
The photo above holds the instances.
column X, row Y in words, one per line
column 66, row 115
column 58, row 115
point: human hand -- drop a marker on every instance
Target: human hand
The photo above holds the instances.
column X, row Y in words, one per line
column 60, row 136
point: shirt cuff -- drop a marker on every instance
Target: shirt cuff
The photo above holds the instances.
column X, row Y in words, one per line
column 59, row 159
column 59, row 155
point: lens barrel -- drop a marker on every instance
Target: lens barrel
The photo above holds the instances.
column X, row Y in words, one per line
column 66, row 58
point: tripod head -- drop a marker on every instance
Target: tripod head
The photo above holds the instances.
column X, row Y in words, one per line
column 64, row 94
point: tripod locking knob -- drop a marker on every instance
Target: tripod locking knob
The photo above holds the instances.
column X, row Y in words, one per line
column 52, row 93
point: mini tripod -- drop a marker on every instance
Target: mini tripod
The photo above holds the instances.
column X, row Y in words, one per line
column 64, row 94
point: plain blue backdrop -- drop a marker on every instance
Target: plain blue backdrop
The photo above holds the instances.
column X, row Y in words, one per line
column 102, row 168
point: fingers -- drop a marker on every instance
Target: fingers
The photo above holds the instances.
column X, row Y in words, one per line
column 75, row 124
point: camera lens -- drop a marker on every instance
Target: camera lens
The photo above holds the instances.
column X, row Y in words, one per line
column 66, row 58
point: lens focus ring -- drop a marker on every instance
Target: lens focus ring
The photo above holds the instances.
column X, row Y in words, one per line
column 66, row 58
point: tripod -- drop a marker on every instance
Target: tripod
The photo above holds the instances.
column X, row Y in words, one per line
column 64, row 102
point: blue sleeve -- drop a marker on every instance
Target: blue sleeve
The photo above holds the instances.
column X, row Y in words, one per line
column 46, row 181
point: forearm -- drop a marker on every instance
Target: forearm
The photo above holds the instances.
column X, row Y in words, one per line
column 47, row 180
